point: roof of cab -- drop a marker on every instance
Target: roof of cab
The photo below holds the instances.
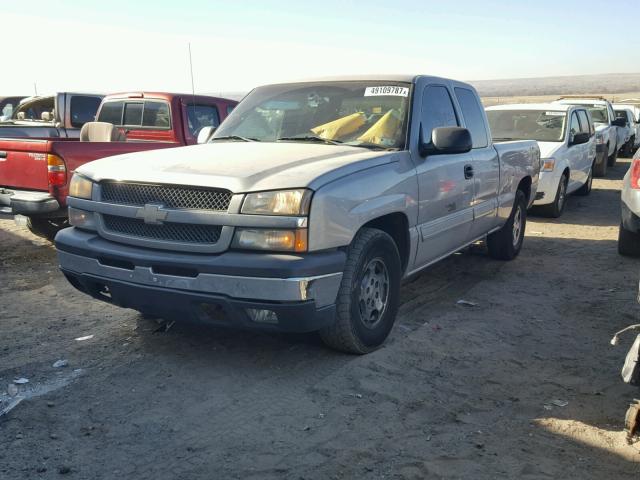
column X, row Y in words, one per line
column 168, row 96
column 558, row 107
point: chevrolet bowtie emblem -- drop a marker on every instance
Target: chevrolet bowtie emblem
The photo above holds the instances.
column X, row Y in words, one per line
column 152, row 214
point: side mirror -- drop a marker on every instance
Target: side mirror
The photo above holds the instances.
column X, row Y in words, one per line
column 446, row 140
column 580, row 138
column 619, row 122
column 204, row 135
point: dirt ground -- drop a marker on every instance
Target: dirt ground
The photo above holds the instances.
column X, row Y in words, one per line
column 457, row 391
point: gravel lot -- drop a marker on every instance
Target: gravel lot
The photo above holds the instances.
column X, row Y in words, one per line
column 457, row 391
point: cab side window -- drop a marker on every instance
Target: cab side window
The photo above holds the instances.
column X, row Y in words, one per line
column 437, row 110
column 473, row 118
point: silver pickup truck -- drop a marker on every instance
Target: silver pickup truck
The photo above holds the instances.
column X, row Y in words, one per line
column 305, row 210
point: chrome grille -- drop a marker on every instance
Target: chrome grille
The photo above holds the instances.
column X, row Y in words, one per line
column 168, row 231
column 170, row 196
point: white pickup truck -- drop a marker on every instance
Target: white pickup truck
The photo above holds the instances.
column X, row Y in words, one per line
column 607, row 129
column 566, row 136
column 305, row 211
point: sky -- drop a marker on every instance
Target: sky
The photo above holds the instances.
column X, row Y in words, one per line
column 125, row 45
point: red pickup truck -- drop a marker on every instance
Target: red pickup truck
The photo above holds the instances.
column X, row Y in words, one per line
column 35, row 173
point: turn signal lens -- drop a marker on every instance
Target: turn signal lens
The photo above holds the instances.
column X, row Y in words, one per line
column 548, row 164
column 273, row 240
column 635, row 174
column 56, row 170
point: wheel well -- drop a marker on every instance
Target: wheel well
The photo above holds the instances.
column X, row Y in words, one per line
column 396, row 225
column 525, row 187
column 567, row 171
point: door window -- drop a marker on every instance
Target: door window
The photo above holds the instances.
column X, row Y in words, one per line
column 437, row 110
column 199, row 116
column 574, row 126
column 585, row 126
column 473, row 118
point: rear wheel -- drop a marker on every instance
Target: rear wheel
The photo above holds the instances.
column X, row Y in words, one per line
column 369, row 294
column 613, row 158
column 505, row 244
column 556, row 208
column 46, row 227
column 586, row 188
column 628, row 243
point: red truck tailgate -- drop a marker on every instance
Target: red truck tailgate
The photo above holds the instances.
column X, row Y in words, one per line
column 23, row 164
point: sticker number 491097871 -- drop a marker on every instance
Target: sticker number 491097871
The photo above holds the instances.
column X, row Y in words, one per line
column 388, row 90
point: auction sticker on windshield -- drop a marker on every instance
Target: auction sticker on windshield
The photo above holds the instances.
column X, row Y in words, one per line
column 384, row 91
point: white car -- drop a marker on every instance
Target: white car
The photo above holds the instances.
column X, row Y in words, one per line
column 566, row 136
column 633, row 119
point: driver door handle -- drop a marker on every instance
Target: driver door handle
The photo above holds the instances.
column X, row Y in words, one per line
column 468, row 171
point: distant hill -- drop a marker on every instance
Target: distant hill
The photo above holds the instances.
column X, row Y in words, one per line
column 566, row 85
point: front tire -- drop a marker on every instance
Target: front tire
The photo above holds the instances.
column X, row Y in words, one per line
column 369, row 294
column 628, row 243
column 46, row 227
column 556, row 208
column 506, row 243
column 628, row 148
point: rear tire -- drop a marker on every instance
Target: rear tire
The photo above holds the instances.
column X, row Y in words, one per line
column 369, row 294
column 628, row 243
column 613, row 158
column 46, row 227
column 506, row 243
column 585, row 189
column 555, row 209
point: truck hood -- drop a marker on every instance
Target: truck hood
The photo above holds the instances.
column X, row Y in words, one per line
column 601, row 126
column 547, row 149
column 239, row 166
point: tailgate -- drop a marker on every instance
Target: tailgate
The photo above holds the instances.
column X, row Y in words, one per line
column 23, row 164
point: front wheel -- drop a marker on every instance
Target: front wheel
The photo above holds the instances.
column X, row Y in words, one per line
column 46, row 227
column 369, row 294
column 556, row 208
column 628, row 148
column 600, row 170
column 506, row 243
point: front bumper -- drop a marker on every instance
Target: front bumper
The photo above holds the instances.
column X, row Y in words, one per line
column 24, row 202
column 547, row 187
column 220, row 289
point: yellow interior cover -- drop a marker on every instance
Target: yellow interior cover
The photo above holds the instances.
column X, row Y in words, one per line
column 340, row 127
column 383, row 129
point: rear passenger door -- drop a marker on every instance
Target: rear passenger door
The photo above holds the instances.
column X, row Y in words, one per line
column 575, row 153
column 486, row 164
column 445, row 214
column 589, row 148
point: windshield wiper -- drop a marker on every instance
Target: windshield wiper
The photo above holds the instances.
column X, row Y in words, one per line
column 310, row 138
column 234, row 137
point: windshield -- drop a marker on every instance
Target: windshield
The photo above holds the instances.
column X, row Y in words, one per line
column 540, row 125
column 364, row 114
column 599, row 114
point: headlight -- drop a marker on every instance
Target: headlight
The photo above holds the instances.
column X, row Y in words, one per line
column 80, row 187
column 272, row 240
column 548, row 164
column 280, row 202
column 599, row 139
